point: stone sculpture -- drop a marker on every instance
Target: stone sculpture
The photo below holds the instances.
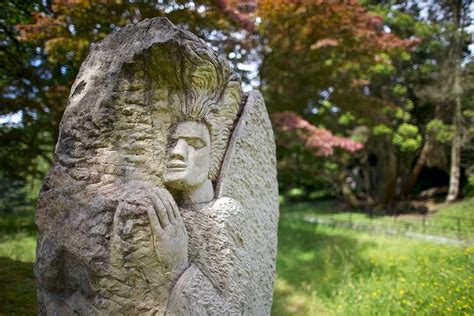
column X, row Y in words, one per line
column 163, row 195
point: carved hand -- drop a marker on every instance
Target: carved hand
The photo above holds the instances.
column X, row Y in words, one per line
column 149, row 244
column 170, row 238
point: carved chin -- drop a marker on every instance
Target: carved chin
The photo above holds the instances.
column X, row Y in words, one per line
column 182, row 180
column 176, row 180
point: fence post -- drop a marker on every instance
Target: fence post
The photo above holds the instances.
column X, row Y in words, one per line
column 424, row 223
column 395, row 227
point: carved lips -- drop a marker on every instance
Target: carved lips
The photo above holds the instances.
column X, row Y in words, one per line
column 176, row 165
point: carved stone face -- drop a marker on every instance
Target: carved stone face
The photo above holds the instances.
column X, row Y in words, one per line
column 189, row 157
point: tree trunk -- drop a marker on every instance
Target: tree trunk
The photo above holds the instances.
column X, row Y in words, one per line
column 347, row 194
column 415, row 173
column 366, row 173
column 455, row 173
column 388, row 173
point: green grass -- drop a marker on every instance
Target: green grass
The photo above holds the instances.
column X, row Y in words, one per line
column 463, row 209
column 17, row 253
column 326, row 271
column 18, row 287
column 18, row 238
column 444, row 222
column 320, row 271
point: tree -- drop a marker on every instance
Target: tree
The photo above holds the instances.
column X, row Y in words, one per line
column 44, row 44
column 436, row 78
column 378, row 73
column 22, row 89
column 324, row 62
column 349, row 70
column 304, row 140
column 25, row 145
column 459, row 11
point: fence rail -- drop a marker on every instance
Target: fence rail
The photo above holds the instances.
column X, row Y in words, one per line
column 442, row 228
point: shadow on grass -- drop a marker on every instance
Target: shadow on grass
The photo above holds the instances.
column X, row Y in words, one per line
column 17, row 288
column 312, row 263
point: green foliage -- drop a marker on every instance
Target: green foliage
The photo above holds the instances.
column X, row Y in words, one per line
column 442, row 132
column 296, row 193
column 13, row 195
column 346, row 119
column 469, row 188
column 381, row 129
column 468, row 114
column 299, row 173
column 399, row 90
column 23, row 87
column 405, row 56
column 407, row 137
column 332, row 166
column 402, row 115
column 410, row 105
column 384, row 65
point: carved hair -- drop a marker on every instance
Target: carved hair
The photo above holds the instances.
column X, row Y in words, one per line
column 213, row 96
column 109, row 126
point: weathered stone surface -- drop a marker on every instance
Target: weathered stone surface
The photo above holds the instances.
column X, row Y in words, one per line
column 163, row 194
column 248, row 175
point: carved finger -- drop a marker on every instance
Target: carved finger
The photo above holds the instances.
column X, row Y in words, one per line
column 170, row 212
column 160, row 210
column 167, row 198
column 117, row 221
column 176, row 212
column 174, row 207
column 155, row 223
column 116, row 238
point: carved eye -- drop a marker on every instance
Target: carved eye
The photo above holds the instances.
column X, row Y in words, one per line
column 196, row 143
column 172, row 143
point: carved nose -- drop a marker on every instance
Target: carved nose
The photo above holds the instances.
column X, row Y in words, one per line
column 180, row 150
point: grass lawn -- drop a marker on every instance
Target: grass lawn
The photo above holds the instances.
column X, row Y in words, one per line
column 320, row 271
column 17, row 253
column 326, row 271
